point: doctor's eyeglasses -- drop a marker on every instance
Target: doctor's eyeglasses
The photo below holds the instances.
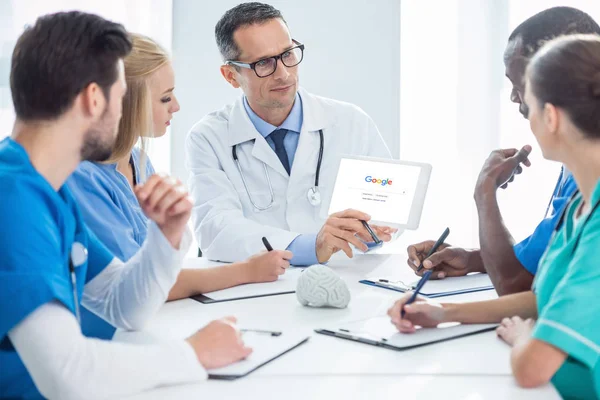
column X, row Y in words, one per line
column 268, row 66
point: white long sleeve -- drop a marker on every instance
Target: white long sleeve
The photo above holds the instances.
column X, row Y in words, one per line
column 66, row 365
column 128, row 294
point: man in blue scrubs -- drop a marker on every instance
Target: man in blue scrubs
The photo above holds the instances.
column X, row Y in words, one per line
column 67, row 83
column 511, row 267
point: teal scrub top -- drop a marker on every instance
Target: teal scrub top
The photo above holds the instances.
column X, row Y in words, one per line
column 567, row 287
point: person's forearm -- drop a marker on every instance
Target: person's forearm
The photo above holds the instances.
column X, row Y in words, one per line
column 504, row 268
column 492, row 311
column 128, row 295
column 535, row 362
column 64, row 364
column 475, row 263
column 191, row 282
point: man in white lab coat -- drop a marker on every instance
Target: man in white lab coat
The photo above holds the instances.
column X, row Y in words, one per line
column 266, row 165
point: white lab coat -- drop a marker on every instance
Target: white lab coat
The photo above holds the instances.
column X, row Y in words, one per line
column 227, row 226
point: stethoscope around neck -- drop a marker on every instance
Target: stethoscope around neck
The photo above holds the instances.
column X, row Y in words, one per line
column 313, row 195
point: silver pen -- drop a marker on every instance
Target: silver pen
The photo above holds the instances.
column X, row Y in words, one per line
column 272, row 333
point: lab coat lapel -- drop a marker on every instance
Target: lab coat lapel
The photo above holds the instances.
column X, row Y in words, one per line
column 265, row 153
column 307, row 153
column 241, row 130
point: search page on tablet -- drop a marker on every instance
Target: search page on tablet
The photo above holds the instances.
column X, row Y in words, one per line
column 383, row 190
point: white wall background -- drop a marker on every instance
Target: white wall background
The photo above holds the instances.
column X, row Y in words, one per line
column 352, row 54
column 149, row 17
column 451, row 78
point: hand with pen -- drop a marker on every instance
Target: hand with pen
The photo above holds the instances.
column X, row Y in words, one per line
column 440, row 260
column 447, row 261
column 344, row 228
column 266, row 266
column 407, row 315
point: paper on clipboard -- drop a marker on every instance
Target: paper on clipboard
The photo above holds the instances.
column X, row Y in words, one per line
column 284, row 285
column 436, row 288
column 379, row 331
column 265, row 348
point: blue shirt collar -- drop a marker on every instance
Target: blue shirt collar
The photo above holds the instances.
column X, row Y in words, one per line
column 292, row 123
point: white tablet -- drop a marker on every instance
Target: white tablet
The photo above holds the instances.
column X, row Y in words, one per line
column 392, row 192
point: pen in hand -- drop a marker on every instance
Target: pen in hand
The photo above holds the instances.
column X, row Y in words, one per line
column 371, row 232
column 267, row 244
column 437, row 244
column 420, row 285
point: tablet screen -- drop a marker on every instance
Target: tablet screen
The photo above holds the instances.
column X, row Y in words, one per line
column 383, row 189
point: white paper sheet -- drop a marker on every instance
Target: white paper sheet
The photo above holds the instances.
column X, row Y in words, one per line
column 286, row 283
column 379, row 328
column 436, row 287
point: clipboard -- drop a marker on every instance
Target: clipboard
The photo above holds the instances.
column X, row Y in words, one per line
column 286, row 284
column 204, row 299
column 380, row 332
column 266, row 348
column 437, row 288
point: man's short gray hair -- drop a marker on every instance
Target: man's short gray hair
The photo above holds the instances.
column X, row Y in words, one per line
column 239, row 16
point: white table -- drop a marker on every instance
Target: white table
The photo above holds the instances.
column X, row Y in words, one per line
column 475, row 367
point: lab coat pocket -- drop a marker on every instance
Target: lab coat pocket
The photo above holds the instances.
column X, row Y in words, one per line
column 258, row 202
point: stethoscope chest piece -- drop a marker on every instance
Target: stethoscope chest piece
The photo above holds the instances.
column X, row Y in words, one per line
column 78, row 257
column 79, row 254
column 314, row 196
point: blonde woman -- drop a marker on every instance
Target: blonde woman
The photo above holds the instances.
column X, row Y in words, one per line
column 104, row 191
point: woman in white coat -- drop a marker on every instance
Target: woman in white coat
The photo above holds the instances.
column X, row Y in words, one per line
column 266, row 165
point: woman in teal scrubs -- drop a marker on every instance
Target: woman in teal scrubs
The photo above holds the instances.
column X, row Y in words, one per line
column 554, row 330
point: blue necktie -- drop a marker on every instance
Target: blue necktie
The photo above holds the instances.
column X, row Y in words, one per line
column 277, row 136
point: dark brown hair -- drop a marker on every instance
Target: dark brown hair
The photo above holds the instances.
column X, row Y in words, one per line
column 58, row 57
column 566, row 73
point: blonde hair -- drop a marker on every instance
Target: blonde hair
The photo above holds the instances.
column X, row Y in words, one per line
column 146, row 57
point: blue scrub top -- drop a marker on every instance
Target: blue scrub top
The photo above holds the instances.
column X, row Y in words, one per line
column 111, row 210
column 530, row 250
column 39, row 227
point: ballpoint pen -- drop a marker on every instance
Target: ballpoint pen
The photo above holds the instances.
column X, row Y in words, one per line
column 435, row 247
column 420, row 285
column 272, row 333
column 267, row 244
column 371, row 232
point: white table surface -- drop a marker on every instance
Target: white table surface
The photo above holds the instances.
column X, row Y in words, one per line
column 475, row 367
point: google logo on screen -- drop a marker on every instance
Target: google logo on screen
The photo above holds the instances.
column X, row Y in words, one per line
column 382, row 182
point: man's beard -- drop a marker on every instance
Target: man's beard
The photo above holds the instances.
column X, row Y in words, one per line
column 97, row 143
